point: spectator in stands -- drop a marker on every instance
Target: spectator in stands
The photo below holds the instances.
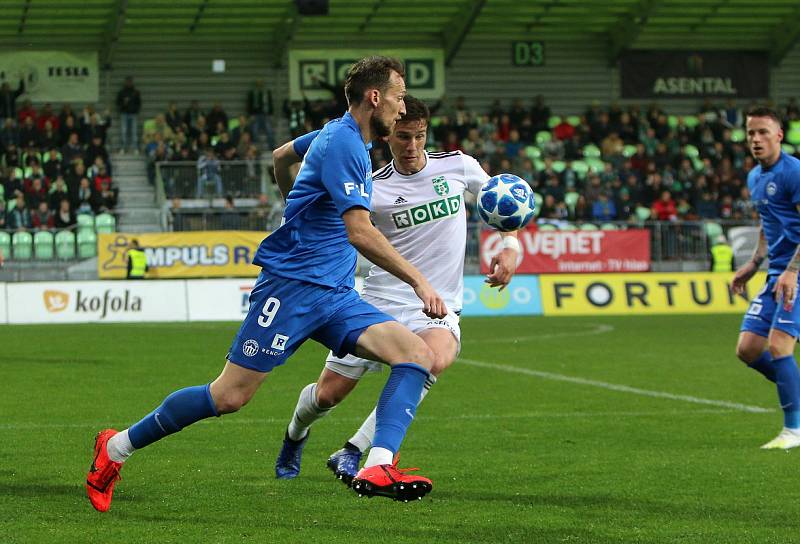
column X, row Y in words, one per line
column 58, row 191
column 105, row 190
column 8, row 99
column 217, row 119
column 28, row 133
column 86, row 201
column 95, row 126
column 208, row 171
column 64, row 217
column 173, row 117
column 46, row 115
column 72, row 150
column 66, row 128
column 604, row 209
column 339, row 102
column 129, row 103
column 192, row 114
column 582, row 211
column 664, row 209
column 9, row 135
column 259, row 108
column 43, row 218
column 48, row 136
column 2, row 218
column 19, row 217
column 26, row 111
column 540, row 114
column 13, row 184
column 35, row 192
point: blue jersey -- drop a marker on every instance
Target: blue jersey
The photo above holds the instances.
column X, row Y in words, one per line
column 335, row 176
column 776, row 194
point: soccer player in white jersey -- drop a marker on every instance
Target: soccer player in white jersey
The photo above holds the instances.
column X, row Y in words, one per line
column 418, row 204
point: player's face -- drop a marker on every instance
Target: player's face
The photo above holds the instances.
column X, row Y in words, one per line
column 390, row 107
column 764, row 137
column 407, row 143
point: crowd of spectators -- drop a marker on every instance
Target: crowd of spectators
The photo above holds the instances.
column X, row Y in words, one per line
column 54, row 165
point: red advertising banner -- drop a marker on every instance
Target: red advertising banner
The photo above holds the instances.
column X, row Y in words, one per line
column 573, row 251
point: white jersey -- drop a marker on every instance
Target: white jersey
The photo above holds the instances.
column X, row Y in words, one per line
column 423, row 217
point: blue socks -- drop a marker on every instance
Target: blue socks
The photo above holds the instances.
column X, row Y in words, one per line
column 764, row 365
column 398, row 404
column 787, row 378
column 180, row 409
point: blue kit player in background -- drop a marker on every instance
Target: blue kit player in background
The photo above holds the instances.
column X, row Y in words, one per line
column 772, row 323
column 306, row 290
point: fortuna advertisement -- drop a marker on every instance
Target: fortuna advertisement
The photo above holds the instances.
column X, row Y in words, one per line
column 52, row 76
column 203, row 254
column 570, row 251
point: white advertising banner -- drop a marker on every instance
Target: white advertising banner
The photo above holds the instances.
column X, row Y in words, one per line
column 96, row 301
column 218, row 300
column 52, row 76
column 3, row 308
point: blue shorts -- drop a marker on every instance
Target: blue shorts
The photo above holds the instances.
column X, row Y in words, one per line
column 284, row 313
column 765, row 314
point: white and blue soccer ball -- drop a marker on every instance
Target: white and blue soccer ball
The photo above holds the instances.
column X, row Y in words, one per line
column 505, row 202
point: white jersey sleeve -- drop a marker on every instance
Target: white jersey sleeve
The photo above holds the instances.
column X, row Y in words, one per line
column 474, row 175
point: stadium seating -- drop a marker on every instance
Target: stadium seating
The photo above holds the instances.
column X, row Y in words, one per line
column 65, row 244
column 559, row 166
column 595, row 164
column 547, row 226
column 589, row 226
column 713, row 230
column 737, row 135
column 788, row 148
column 43, row 245
column 22, row 243
column 793, row 136
column 5, row 243
column 580, row 168
column 591, row 151
column 542, row 137
column 567, row 226
column 629, row 151
column 691, row 151
column 643, row 213
column 533, row 152
column 570, row 199
column 87, row 244
column 105, row 223
column 85, row 222
column 538, row 200
column 553, row 121
column 608, row 226
column 574, row 120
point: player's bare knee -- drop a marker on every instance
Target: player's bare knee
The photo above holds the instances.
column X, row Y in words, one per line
column 231, row 401
column 328, row 397
column 423, row 356
column 747, row 354
column 440, row 364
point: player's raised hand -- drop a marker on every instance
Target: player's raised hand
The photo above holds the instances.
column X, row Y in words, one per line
column 742, row 276
column 786, row 289
column 432, row 304
column 502, row 268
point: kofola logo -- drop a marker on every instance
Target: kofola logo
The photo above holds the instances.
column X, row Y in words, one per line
column 55, row 301
column 107, row 303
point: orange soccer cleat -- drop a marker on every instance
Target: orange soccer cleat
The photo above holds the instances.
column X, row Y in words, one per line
column 390, row 481
column 103, row 473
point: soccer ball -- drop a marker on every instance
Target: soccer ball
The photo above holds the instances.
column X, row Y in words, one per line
column 505, row 202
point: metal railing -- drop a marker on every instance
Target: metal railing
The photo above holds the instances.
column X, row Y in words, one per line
column 215, row 179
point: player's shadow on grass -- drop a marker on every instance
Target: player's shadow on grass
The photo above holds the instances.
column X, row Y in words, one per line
column 39, row 489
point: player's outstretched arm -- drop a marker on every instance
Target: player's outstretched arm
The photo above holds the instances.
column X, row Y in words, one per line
column 504, row 264
column 375, row 247
column 749, row 269
column 282, row 159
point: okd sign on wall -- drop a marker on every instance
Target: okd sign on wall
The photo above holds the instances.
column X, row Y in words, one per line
column 424, row 70
column 573, row 251
column 52, row 76
column 690, row 74
column 81, row 302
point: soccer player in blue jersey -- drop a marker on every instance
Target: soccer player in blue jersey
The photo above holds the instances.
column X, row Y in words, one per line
column 305, row 290
column 771, row 325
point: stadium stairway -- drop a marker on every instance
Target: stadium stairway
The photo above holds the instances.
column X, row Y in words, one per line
column 136, row 206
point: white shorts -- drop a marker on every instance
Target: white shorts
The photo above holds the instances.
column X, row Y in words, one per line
column 412, row 317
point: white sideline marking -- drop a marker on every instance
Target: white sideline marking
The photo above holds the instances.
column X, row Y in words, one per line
column 596, row 328
column 235, row 420
column 617, row 387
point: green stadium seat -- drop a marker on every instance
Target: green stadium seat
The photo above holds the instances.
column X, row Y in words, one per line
column 65, row 244
column 547, row 226
column 629, row 151
column 672, row 121
column 697, row 163
column 233, row 124
column 22, row 244
column 542, row 137
column 558, row 166
column 43, row 245
column 533, row 152
column 553, row 121
column 788, row 148
column 567, row 226
column 643, row 213
column 691, row 121
column 436, row 120
column 738, row 135
column 87, row 244
column 538, row 200
column 794, row 125
column 85, row 221
column 538, row 164
column 713, row 230
column 574, row 120
column 595, row 164
column 5, row 244
column 2, row 192
column 591, row 151
column 691, row 151
column 105, row 223
column 589, row 226
column 580, row 168
column 793, row 136
column 608, row 226
column 10, row 204
column 570, row 199
column 149, row 126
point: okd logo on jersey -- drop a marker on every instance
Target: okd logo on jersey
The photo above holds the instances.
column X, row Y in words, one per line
column 427, row 212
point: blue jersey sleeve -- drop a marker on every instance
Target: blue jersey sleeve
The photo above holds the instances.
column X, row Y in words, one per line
column 346, row 174
column 792, row 181
column 302, row 143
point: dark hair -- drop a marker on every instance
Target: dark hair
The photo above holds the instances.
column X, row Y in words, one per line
column 370, row 73
column 416, row 110
column 764, row 111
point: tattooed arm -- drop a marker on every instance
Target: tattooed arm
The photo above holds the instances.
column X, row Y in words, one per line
column 749, row 269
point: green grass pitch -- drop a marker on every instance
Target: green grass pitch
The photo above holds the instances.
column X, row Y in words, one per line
column 528, row 439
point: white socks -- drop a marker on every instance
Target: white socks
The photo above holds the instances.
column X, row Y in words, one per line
column 119, row 447
column 306, row 412
column 364, row 435
column 378, row 456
